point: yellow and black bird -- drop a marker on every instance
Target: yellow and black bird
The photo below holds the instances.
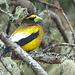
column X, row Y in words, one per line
column 28, row 35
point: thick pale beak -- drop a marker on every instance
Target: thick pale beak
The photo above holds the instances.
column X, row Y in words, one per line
column 37, row 19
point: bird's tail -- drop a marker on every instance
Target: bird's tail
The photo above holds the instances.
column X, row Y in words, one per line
column 6, row 50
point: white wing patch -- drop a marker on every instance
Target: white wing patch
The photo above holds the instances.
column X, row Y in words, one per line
column 18, row 36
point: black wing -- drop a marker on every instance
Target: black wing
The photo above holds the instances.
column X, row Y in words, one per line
column 26, row 40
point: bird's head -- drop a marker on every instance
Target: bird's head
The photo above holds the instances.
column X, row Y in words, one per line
column 31, row 19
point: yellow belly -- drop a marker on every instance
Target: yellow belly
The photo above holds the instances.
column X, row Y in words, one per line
column 34, row 43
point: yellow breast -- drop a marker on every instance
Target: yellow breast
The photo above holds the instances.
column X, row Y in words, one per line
column 24, row 32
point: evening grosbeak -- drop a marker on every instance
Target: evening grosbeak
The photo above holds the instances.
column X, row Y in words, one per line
column 29, row 35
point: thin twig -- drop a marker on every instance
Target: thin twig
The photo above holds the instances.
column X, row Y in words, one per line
column 58, row 44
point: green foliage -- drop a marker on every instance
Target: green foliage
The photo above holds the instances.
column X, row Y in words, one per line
column 20, row 14
column 67, row 67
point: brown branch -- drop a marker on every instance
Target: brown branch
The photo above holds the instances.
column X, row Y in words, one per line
column 58, row 44
column 51, row 58
column 48, row 4
column 48, row 58
column 60, row 26
column 69, row 24
column 25, row 56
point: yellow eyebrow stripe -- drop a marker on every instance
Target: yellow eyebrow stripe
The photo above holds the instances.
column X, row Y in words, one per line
column 32, row 16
